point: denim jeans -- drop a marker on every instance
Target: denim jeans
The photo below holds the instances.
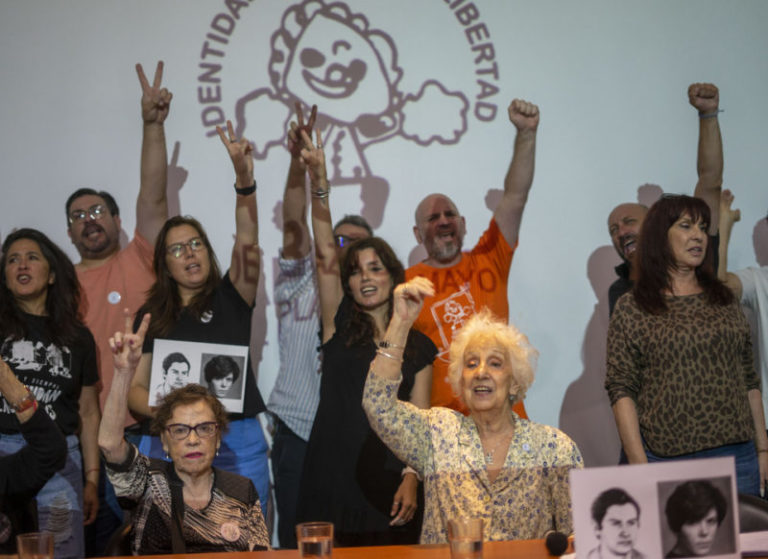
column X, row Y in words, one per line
column 60, row 501
column 745, row 455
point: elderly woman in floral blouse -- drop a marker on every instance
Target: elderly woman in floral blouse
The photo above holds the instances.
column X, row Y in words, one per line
column 509, row 471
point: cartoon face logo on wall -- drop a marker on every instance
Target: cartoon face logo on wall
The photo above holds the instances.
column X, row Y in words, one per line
column 327, row 55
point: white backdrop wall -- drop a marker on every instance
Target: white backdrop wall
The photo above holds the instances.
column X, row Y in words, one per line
column 610, row 79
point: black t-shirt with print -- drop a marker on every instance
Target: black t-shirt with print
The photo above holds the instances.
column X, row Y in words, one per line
column 55, row 374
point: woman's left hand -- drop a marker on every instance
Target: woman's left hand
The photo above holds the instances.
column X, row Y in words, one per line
column 241, row 154
column 405, row 503
column 409, row 298
column 90, row 502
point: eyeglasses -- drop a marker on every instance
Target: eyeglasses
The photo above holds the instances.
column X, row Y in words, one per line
column 177, row 249
column 344, row 240
column 96, row 211
column 180, row 431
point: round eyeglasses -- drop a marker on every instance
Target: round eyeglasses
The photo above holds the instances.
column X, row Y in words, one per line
column 97, row 211
column 177, row 249
column 180, row 431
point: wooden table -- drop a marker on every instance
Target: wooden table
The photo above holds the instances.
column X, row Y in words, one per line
column 528, row 549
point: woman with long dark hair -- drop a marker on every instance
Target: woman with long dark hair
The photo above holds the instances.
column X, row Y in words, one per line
column 50, row 350
column 192, row 301
column 680, row 374
column 350, row 478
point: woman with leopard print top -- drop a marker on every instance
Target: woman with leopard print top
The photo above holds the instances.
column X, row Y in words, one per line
column 680, row 376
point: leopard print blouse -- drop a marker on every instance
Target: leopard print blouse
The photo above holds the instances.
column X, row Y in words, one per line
column 688, row 371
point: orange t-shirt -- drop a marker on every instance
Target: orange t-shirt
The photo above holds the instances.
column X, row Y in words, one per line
column 478, row 280
column 121, row 282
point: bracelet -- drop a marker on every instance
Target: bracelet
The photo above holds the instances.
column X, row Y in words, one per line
column 710, row 115
column 409, row 470
column 763, row 450
column 28, row 401
column 385, row 344
column 319, row 193
column 91, row 470
column 246, row 190
column 385, row 354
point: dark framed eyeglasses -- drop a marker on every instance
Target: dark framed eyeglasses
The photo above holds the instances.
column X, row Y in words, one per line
column 97, row 211
column 177, row 249
column 180, row 431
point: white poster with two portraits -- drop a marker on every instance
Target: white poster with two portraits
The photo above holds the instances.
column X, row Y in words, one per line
column 686, row 508
column 220, row 368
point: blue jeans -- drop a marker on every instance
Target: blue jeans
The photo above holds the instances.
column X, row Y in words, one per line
column 60, row 501
column 744, row 454
column 243, row 451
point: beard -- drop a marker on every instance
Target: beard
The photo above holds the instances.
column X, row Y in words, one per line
column 447, row 251
column 96, row 248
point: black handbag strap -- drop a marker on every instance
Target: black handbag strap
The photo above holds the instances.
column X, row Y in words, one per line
column 177, row 510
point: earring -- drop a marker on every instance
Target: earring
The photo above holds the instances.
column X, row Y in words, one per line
column 217, row 452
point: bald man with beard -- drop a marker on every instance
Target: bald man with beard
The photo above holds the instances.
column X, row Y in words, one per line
column 465, row 282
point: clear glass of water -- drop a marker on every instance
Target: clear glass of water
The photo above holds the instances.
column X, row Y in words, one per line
column 35, row 545
column 465, row 536
column 315, row 540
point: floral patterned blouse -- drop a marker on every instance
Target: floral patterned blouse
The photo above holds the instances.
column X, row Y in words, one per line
column 530, row 495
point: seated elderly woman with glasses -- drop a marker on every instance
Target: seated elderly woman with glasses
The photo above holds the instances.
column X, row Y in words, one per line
column 184, row 505
column 493, row 465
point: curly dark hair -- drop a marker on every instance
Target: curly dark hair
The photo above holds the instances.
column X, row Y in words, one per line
column 655, row 258
column 163, row 299
column 185, row 396
column 361, row 329
column 691, row 501
column 62, row 303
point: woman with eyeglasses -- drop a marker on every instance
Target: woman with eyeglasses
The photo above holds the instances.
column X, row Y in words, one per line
column 44, row 342
column 349, row 476
column 191, row 301
column 185, row 505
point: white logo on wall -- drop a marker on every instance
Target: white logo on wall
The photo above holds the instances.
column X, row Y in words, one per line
column 325, row 53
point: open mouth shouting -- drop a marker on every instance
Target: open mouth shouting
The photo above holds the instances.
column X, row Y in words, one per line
column 628, row 244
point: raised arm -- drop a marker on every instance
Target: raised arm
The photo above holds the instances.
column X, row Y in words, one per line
column 126, row 354
column 152, row 204
column 328, row 270
column 705, row 98
column 244, row 268
column 517, row 183
column 296, row 241
column 727, row 218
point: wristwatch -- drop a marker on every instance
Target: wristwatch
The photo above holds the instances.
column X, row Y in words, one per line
column 28, row 401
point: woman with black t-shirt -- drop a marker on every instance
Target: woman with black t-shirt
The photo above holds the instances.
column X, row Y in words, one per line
column 191, row 301
column 50, row 350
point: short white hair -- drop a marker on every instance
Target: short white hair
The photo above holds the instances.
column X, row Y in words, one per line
column 521, row 354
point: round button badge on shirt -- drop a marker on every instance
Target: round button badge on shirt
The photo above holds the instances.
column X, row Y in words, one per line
column 114, row 297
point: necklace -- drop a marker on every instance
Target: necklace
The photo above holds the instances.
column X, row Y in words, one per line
column 489, row 455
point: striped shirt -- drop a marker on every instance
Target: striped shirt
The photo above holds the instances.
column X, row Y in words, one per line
column 296, row 393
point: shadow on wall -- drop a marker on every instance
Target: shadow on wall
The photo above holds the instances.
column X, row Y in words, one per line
column 586, row 414
column 760, row 241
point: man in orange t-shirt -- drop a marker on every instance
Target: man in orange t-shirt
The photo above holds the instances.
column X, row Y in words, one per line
column 465, row 282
